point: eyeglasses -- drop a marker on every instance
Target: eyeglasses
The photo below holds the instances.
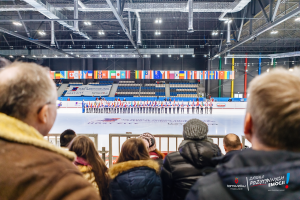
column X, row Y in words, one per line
column 48, row 103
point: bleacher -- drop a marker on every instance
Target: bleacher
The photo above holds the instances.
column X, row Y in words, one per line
column 153, row 90
column 128, row 89
column 102, row 83
column 183, row 89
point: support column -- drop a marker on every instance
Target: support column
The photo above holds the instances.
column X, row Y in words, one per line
column 259, row 66
column 232, row 80
column 245, row 80
column 274, row 63
column 220, row 81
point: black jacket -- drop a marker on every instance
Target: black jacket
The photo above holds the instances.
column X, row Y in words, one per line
column 135, row 180
column 225, row 158
column 252, row 175
column 182, row 169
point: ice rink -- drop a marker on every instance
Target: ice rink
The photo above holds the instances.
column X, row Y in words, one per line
column 221, row 122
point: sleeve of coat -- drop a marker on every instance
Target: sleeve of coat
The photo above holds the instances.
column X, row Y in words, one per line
column 73, row 187
column 167, row 179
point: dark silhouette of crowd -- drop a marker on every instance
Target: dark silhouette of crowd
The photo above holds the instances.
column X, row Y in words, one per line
column 32, row 168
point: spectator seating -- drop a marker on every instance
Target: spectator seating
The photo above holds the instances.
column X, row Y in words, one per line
column 153, row 90
column 102, row 83
column 183, row 89
column 128, row 89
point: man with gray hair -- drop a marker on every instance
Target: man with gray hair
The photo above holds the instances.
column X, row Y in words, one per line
column 182, row 169
column 270, row 170
column 31, row 167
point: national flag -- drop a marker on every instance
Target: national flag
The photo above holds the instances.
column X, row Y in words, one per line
column 52, row 74
column 113, row 74
column 71, row 74
column 85, row 73
column 221, row 74
column 127, row 74
column 104, row 74
column 137, row 74
column 172, row 75
column 157, row 75
column 232, row 75
column 205, row 75
column 147, row 75
column 176, row 74
column 181, row 74
column 118, row 74
column 211, row 74
column 96, row 74
column 228, row 74
column 225, row 74
column 196, row 75
column 143, row 74
column 192, row 75
column 163, row 74
column 216, row 75
column 123, row 75
column 57, row 75
column 167, row 76
column 189, row 75
column 90, row 75
column 201, row 75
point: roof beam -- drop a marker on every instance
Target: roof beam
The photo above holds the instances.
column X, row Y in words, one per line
column 32, row 41
column 25, row 27
column 275, row 10
column 262, row 29
column 263, row 10
column 125, row 29
column 242, row 23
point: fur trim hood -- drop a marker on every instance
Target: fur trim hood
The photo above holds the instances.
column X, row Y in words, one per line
column 14, row 130
column 119, row 168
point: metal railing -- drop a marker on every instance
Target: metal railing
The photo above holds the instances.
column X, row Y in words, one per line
column 158, row 138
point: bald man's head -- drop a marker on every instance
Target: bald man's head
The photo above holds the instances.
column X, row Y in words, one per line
column 25, row 89
column 232, row 142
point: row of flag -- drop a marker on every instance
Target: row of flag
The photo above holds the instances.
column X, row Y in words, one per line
column 141, row 74
column 108, row 74
column 151, row 74
column 111, row 74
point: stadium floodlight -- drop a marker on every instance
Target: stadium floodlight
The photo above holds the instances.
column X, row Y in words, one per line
column 205, row 55
column 44, row 56
column 23, row 56
column 169, row 56
column 34, row 56
column 158, row 55
column 100, row 56
column 87, row 23
column 181, row 56
column 122, row 55
column 110, row 55
column 274, row 32
column 297, row 19
column 17, row 23
column 88, row 56
column 42, row 33
column 158, row 21
column 228, row 21
column 55, row 56
column 157, row 33
column 67, row 56
column 215, row 33
column 11, row 56
column 101, row 32
column 193, row 55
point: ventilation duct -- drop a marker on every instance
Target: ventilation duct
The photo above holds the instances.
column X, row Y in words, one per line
column 190, row 5
column 52, row 34
column 139, row 39
column 238, row 6
column 228, row 32
column 76, row 15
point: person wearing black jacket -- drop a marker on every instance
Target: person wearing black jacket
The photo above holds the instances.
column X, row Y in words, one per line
column 182, row 169
column 270, row 170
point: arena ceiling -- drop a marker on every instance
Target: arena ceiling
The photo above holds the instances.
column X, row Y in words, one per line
column 257, row 26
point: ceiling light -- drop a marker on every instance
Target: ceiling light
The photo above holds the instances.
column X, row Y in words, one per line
column 181, row 56
column 72, row 53
column 193, row 55
column 205, row 55
column 291, row 69
column 158, row 21
column 44, row 56
column 87, row 23
column 110, row 55
column 88, row 56
column 17, row 23
column 158, row 56
column 67, row 56
column 157, row 33
column 77, row 55
column 122, row 55
column 42, row 33
column 34, row 56
column 100, row 56
column 11, row 56
column 101, row 32
column 169, row 56
column 228, row 20
column 268, row 70
column 55, row 56
column 297, row 19
column 274, row 32
column 215, row 33
column 23, row 56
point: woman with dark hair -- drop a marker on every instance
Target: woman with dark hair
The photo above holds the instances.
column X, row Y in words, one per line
column 90, row 164
column 134, row 176
column 154, row 153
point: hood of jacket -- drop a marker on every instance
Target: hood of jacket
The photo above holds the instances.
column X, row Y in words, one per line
column 136, row 178
column 269, row 174
column 14, row 130
column 199, row 152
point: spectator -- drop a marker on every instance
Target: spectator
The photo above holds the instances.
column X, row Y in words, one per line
column 66, row 137
column 229, row 100
column 68, row 99
column 31, row 167
column 90, row 164
column 150, row 143
column 232, row 145
column 124, row 99
column 135, row 174
column 272, row 125
column 182, row 169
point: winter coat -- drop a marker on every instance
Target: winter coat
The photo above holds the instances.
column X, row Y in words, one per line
column 182, row 169
column 135, row 180
column 32, row 168
column 87, row 171
column 155, row 156
column 223, row 159
column 252, row 174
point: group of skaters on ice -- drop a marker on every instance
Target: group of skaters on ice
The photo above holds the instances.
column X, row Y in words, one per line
column 147, row 107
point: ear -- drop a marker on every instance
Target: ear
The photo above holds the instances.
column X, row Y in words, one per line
column 226, row 150
column 43, row 114
column 241, row 145
column 248, row 127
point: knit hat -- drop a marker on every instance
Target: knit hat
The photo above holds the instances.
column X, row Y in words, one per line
column 195, row 129
column 149, row 141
